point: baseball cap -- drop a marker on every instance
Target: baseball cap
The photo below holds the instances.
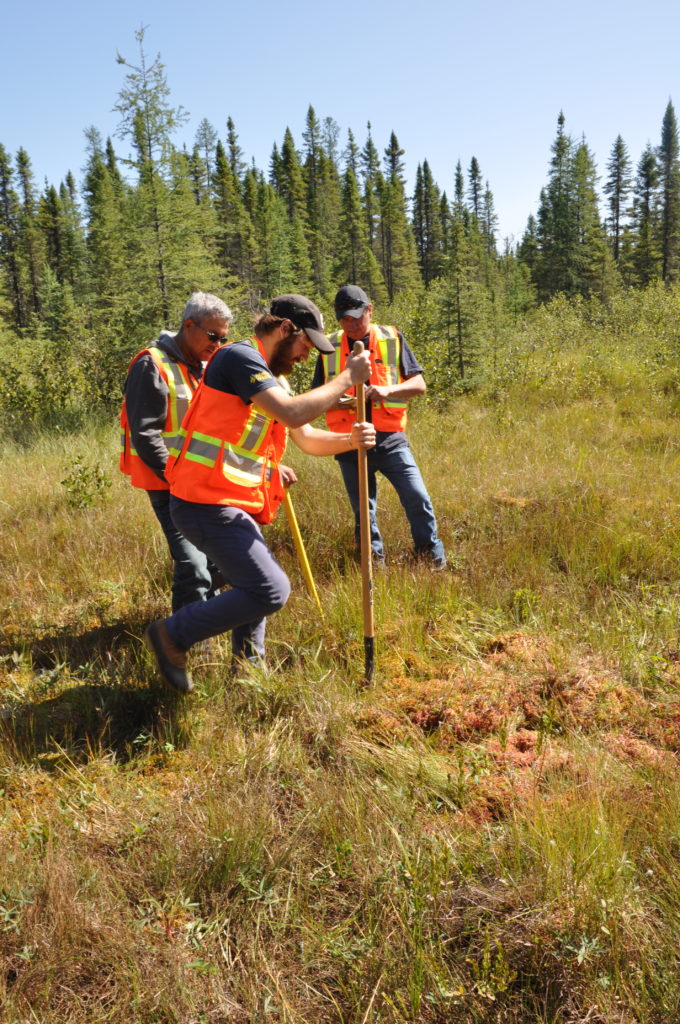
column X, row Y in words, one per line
column 351, row 301
column 304, row 314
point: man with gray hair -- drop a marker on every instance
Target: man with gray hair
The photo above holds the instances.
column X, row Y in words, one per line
column 161, row 382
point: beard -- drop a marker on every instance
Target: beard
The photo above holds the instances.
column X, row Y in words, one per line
column 282, row 362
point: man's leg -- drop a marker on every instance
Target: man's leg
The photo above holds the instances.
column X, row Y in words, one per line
column 259, row 586
column 399, row 467
column 191, row 579
column 350, row 476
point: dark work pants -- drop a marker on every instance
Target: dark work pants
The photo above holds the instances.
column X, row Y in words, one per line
column 191, row 578
column 258, row 585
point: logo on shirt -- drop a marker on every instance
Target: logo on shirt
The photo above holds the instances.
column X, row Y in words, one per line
column 263, row 375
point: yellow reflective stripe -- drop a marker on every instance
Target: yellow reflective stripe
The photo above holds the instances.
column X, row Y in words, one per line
column 241, row 467
column 331, row 359
column 237, row 462
column 389, row 352
column 255, row 428
column 203, row 448
column 179, row 390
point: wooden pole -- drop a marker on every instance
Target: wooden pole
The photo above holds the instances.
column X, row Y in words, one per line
column 365, row 532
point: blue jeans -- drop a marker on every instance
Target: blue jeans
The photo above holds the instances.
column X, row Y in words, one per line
column 259, row 586
column 191, row 579
column 399, row 467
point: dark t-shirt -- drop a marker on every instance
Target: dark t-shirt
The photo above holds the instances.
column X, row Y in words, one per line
column 239, row 369
column 384, row 440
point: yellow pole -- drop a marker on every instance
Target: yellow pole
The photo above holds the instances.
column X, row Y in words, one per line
column 300, row 548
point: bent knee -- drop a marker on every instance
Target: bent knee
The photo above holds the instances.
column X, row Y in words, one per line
column 278, row 594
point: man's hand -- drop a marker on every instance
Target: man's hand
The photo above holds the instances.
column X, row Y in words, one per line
column 378, row 393
column 288, row 476
column 363, row 435
column 359, row 366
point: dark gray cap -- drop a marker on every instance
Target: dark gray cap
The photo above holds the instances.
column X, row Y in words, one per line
column 304, row 314
column 351, row 300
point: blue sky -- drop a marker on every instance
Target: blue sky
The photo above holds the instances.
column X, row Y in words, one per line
column 454, row 80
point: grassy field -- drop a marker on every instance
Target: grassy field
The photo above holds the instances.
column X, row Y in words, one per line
column 489, row 833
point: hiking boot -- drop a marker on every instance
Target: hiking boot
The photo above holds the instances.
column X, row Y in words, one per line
column 171, row 661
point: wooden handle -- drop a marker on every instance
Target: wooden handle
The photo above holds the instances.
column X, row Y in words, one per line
column 365, row 534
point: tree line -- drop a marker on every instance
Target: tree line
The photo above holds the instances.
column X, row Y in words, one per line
column 102, row 263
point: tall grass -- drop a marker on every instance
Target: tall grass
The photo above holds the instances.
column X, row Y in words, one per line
column 487, row 834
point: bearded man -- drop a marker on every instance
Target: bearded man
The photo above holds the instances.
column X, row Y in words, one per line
column 226, row 478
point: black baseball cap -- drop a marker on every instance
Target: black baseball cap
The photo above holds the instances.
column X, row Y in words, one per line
column 304, row 314
column 351, row 300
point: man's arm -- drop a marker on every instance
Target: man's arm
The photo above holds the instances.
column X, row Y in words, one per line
column 324, row 442
column 146, row 404
column 412, row 385
column 296, row 410
column 410, row 388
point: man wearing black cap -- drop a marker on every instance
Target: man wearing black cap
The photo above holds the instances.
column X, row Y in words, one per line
column 227, row 478
column 396, row 377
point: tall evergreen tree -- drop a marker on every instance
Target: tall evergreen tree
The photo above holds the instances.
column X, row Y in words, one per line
column 9, row 240
column 488, row 221
column 398, row 260
column 237, row 248
column 205, row 143
column 427, row 224
column 617, row 188
column 355, row 260
column 669, row 180
column 170, row 239
column 29, row 235
column 646, row 257
column 475, row 188
column 236, row 161
column 369, row 162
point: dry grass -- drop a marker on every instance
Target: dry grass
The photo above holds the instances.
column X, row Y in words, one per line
column 489, row 834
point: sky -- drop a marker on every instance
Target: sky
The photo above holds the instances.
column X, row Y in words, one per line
column 453, row 80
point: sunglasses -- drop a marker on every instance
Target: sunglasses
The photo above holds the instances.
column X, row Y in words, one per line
column 220, row 339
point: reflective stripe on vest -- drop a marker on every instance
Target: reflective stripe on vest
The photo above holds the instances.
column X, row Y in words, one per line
column 181, row 386
column 389, row 415
column 229, row 454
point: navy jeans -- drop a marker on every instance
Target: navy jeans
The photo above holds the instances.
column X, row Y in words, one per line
column 399, row 467
column 259, row 586
column 191, row 580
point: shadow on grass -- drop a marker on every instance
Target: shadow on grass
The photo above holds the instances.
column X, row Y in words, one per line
column 104, row 716
column 63, row 646
column 89, row 721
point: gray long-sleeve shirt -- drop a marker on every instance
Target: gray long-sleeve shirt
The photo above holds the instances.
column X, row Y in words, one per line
column 146, row 402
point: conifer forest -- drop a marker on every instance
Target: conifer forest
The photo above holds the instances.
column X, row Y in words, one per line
column 90, row 268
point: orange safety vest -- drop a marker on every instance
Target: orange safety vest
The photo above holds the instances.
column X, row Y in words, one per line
column 229, row 454
column 385, row 351
column 181, row 385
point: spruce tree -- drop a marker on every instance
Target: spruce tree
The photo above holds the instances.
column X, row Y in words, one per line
column 398, row 260
column 30, row 243
column 355, row 261
column 9, row 240
column 669, row 181
column 236, row 161
column 555, row 270
column 173, row 243
column 205, row 144
column 370, row 172
column 617, row 188
column 237, row 247
column 475, row 188
column 646, row 257
column 427, row 224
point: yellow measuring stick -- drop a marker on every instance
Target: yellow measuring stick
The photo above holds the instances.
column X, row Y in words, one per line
column 301, row 553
